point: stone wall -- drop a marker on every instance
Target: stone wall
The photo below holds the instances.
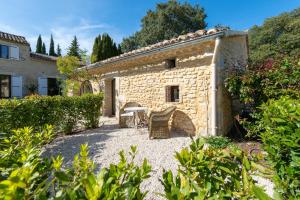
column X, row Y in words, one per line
column 146, row 84
column 144, row 81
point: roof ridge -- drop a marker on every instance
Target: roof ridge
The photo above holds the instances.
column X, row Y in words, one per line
column 12, row 34
column 180, row 38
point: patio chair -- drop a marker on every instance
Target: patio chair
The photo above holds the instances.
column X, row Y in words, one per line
column 159, row 123
column 126, row 119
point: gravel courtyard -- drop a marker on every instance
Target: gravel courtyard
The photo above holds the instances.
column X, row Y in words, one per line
column 106, row 142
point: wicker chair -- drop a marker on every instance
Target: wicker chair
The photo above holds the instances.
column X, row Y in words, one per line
column 159, row 123
column 126, row 119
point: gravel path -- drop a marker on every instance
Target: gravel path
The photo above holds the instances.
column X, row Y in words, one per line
column 106, row 142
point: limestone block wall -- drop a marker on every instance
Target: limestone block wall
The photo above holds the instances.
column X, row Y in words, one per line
column 147, row 86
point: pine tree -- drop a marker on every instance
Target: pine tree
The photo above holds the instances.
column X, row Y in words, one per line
column 39, row 44
column 44, row 48
column 95, row 53
column 58, row 50
column 51, row 48
column 73, row 49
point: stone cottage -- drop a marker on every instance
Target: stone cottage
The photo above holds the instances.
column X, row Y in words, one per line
column 188, row 72
column 22, row 71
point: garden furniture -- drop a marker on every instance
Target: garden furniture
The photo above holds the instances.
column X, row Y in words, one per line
column 159, row 123
column 139, row 115
column 127, row 119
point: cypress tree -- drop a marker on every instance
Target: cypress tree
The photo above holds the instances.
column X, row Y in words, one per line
column 95, row 53
column 44, row 48
column 58, row 50
column 104, row 47
column 51, row 48
column 73, row 49
column 39, row 44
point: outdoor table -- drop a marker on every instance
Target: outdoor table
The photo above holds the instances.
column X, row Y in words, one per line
column 136, row 110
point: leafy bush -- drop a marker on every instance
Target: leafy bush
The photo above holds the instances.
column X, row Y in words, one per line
column 62, row 112
column 212, row 173
column 281, row 139
column 26, row 175
column 218, row 142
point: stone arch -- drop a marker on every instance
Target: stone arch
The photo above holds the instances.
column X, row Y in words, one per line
column 86, row 88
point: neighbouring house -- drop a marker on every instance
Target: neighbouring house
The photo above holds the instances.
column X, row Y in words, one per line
column 188, row 72
column 23, row 72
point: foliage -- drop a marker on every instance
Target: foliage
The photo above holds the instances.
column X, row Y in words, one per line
column 51, row 48
column 39, row 44
column 218, row 142
column 65, row 113
column 104, row 47
column 68, row 66
column 43, row 48
column 257, row 86
column 212, row 173
column 278, row 37
column 170, row 19
column 73, row 49
column 281, row 139
column 58, row 50
column 29, row 176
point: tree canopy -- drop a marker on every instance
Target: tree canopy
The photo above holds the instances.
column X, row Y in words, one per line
column 73, row 49
column 58, row 50
column 44, row 48
column 51, row 48
column 39, row 45
column 278, row 37
column 168, row 20
column 104, row 47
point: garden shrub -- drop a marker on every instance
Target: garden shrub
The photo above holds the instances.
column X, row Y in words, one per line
column 281, row 139
column 27, row 175
column 218, row 141
column 212, row 173
column 65, row 113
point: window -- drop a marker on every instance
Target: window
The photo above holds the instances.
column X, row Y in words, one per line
column 14, row 53
column 4, row 51
column 53, row 87
column 170, row 63
column 5, row 85
column 172, row 93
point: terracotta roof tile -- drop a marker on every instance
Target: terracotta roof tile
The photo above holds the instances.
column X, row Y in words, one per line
column 13, row 38
column 181, row 38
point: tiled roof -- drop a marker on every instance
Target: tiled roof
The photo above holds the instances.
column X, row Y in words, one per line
column 13, row 38
column 165, row 43
column 43, row 56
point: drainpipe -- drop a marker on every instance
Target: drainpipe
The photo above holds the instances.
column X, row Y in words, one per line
column 214, row 89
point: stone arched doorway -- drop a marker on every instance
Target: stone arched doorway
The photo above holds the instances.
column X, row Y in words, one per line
column 86, row 88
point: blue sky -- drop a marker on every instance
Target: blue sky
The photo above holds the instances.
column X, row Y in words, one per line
column 119, row 18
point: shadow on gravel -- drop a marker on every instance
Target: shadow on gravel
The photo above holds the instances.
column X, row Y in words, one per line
column 68, row 146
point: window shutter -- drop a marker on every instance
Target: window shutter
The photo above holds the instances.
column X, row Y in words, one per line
column 14, row 53
column 16, row 86
column 43, row 86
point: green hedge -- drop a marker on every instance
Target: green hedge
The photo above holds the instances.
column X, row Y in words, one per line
column 64, row 113
column 281, row 139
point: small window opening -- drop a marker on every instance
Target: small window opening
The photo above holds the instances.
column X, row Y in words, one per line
column 172, row 93
column 170, row 63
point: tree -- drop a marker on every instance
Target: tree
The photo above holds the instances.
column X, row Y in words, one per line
column 278, row 37
column 44, row 48
column 51, row 48
column 104, row 47
column 39, row 45
column 168, row 20
column 58, row 50
column 73, row 49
